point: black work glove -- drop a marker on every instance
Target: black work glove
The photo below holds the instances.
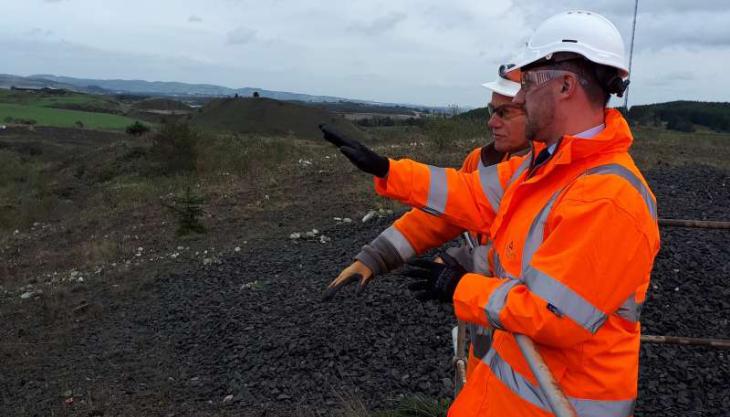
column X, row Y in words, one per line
column 436, row 281
column 360, row 155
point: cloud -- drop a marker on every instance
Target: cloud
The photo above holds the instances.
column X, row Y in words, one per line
column 660, row 24
column 38, row 32
column 692, row 29
column 240, row 36
column 379, row 25
column 670, row 78
column 356, row 49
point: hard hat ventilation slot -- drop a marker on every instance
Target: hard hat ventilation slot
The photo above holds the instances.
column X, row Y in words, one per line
column 570, row 40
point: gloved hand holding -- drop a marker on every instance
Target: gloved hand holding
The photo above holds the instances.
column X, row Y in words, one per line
column 358, row 271
column 435, row 280
column 360, row 155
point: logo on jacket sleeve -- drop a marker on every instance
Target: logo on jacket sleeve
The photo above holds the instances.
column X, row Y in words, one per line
column 509, row 252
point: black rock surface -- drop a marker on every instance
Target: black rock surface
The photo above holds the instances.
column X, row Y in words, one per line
column 253, row 326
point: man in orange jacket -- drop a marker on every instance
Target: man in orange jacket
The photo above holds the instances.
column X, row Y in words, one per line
column 573, row 227
column 417, row 231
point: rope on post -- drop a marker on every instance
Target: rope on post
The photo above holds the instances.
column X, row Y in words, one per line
column 701, row 224
column 679, row 340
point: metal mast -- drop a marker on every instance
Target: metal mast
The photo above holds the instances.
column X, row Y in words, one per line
column 631, row 54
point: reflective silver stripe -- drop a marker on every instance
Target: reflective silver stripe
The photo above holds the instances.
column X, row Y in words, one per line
column 520, row 169
column 563, row 298
column 598, row 408
column 497, row 265
column 629, row 176
column 399, row 242
column 630, row 309
column 514, row 381
column 438, row 191
column 480, row 165
column 496, row 302
column 535, row 234
column 499, row 269
column 534, row 395
column 491, row 186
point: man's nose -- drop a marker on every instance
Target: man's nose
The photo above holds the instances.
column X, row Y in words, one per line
column 493, row 121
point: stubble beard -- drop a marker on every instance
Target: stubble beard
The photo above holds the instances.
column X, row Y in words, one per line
column 537, row 121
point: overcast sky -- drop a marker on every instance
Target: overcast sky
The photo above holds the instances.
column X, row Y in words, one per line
column 431, row 52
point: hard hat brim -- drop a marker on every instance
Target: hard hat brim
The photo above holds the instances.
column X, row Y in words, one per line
column 504, row 87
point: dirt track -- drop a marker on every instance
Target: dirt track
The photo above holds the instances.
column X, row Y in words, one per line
column 178, row 341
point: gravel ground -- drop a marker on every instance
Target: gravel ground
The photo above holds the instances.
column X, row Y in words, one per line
column 249, row 332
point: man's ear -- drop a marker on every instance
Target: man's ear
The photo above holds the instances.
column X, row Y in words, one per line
column 569, row 85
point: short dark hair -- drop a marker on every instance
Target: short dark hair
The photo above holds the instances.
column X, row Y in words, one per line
column 600, row 80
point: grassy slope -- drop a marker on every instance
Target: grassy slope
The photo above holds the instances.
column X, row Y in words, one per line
column 65, row 100
column 265, row 117
column 63, row 109
column 96, row 177
column 45, row 116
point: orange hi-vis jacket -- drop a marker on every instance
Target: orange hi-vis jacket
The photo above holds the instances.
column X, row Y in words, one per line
column 574, row 241
column 417, row 231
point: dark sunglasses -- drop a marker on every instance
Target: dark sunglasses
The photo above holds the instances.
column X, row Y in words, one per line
column 505, row 111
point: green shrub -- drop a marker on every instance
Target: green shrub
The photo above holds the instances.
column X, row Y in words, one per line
column 136, row 129
column 174, row 149
column 188, row 209
column 20, row 121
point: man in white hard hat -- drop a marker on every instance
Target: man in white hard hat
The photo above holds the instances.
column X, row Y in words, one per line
column 573, row 229
column 417, row 231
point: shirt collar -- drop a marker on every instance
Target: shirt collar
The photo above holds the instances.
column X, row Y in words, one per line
column 586, row 134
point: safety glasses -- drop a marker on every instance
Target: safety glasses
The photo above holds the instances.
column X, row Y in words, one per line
column 505, row 111
column 536, row 78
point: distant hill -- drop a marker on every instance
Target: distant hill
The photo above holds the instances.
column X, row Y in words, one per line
column 194, row 93
column 480, row 113
column 7, row 81
column 683, row 115
column 166, row 88
column 266, row 117
column 161, row 104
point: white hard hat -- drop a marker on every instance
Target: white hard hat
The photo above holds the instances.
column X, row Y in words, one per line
column 582, row 32
column 503, row 86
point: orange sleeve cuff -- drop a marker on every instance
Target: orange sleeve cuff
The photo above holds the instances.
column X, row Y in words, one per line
column 471, row 297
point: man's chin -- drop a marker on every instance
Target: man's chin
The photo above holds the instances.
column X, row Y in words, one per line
column 498, row 146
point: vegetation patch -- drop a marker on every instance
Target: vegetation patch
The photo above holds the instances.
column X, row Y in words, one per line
column 46, row 116
column 263, row 116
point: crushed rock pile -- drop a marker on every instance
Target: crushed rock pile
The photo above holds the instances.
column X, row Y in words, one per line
column 250, row 333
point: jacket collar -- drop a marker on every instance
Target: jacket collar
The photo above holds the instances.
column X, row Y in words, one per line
column 614, row 138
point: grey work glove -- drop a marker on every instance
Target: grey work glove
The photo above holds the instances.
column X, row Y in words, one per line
column 360, row 155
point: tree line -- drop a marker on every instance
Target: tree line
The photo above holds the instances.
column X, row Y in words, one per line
column 682, row 115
